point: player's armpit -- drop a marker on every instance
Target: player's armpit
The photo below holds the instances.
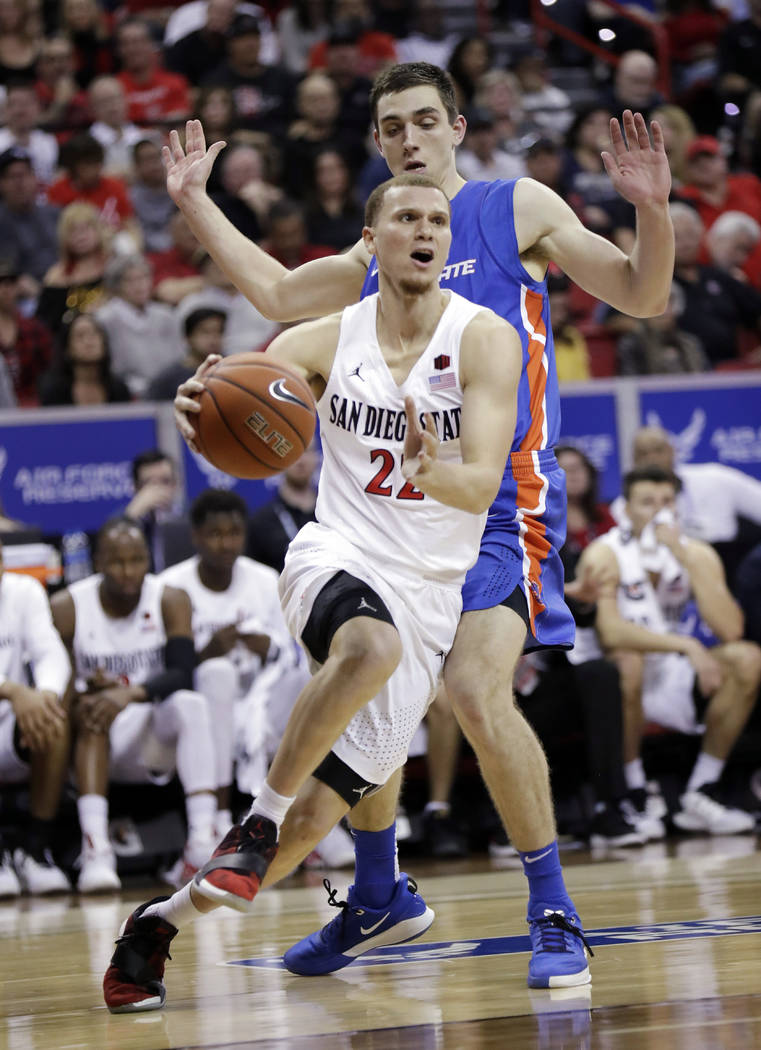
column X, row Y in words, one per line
column 309, row 349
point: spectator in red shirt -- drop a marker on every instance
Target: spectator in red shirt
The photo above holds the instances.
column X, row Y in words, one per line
column 82, row 157
column 287, row 236
column 712, row 190
column 374, row 49
column 154, row 95
column 177, row 272
column 26, row 344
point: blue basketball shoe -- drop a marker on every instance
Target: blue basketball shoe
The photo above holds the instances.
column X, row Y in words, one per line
column 558, row 951
column 358, row 929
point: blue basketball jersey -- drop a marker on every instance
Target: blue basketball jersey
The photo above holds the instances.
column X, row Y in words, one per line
column 526, row 523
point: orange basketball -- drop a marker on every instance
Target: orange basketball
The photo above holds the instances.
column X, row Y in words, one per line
column 257, row 416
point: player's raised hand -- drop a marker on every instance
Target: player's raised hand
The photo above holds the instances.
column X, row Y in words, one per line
column 638, row 169
column 186, row 401
column 420, row 445
column 188, row 169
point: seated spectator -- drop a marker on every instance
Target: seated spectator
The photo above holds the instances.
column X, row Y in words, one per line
column 342, row 65
column 215, row 108
column 141, row 332
column 428, row 39
column 273, row 525
column 88, row 27
column 131, row 646
column 712, row 190
column 374, row 49
column 546, row 105
column 64, row 105
column 499, row 92
column 334, row 217
column 724, row 522
column 199, row 52
column 588, row 517
column 177, row 271
column 739, row 71
column 635, row 85
column 245, row 196
column 153, row 206
column 693, row 29
column 246, row 328
column 34, row 723
column 678, row 132
column 286, row 236
column 20, row 40
column 472, row 57
column 204, row 331
column 82, row 159
column 26, row 345
column 730, row 242
column 28, row 227
column 747, row 590
column 81, row 373
column 117, row 135
column 300, row 26
column 544, row 162
column 238, row 629
column 154, row 96
column 480, row 157
column 655, row 345
column 717, row 307
column 192, row 15
column 571, row 351
column 650, row 570
column 22, row 130
column 317, row 127
column 263, row 93
column 157, row 504
column 74, row 283
column 589, row 190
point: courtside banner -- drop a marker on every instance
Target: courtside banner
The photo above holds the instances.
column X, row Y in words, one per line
column 719, row 424
column 201, row 475
column 588, row 421
column 73, row 475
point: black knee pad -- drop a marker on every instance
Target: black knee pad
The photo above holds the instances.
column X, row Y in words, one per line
column 343, row 598
column 342, row 779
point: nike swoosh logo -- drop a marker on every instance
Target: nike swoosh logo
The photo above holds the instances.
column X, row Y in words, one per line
column 533, row 860
column 375, row 927
column 278, row 390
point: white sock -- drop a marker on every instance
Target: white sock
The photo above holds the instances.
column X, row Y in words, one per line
column 634, row 773
column 223, row 821
column 178, row 910
column 201, row 810
column 437, row 807
column 93, row 820
column 706, row 770
column 271, row 805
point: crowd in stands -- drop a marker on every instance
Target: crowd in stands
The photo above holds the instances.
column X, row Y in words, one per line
column 90, row 91
column 106, row 296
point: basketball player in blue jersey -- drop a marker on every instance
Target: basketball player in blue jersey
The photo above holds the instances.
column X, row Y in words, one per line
column 504, row 236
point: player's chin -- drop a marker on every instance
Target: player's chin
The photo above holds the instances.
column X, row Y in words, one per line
column 416, row 285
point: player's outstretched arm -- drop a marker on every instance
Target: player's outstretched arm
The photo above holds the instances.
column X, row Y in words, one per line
column 490, row 369
column 638, row 283
column 312, row 290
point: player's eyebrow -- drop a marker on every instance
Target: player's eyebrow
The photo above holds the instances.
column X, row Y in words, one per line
column 424, row 111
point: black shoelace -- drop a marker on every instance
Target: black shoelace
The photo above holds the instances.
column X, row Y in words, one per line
column 554, row 927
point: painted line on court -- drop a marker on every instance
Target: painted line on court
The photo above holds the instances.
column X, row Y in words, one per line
column 473, row 948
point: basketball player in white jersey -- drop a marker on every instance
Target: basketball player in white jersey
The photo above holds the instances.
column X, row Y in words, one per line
column 372, row 588
column 248, row 666
column 34, row 729
column 136, row 717
column 648, row 570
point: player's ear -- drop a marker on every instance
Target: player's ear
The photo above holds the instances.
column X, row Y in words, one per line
column 459, row 128
column 368, row 239
column 376, row 140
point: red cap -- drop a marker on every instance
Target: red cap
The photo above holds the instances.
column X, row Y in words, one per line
column 703, row 144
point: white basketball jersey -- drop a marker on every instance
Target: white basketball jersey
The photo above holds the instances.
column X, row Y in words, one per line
column 251, row 601
column 363, row 494
column 655, row 606
column 28, row 637
column 130, row 648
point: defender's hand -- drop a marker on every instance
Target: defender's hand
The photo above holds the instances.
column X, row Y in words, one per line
column 188, row 169
column 638, row 170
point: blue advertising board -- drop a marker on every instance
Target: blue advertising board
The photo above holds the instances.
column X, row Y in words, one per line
column 63, row 477
column 710, row 424
column 588, row 421
column 200, row 475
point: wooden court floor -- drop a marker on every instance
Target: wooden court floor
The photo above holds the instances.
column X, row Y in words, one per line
column 676, row 930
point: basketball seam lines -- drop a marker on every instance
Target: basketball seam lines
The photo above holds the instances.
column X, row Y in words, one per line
column 253, row 455
column 264, row 401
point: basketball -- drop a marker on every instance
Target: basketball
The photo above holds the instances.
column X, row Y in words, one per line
column 257, row 416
